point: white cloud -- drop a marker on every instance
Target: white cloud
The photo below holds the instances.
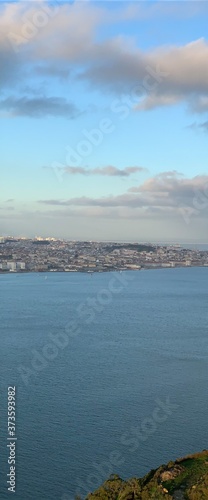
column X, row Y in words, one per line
column 63, row 42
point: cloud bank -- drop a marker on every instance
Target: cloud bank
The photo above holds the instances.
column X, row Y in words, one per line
column 168, row 193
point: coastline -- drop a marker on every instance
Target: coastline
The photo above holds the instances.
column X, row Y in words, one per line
column 153, row 268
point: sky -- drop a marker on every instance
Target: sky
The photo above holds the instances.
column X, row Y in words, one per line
column 104, row 120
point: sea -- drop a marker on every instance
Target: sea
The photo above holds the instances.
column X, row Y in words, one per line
column 109, row 373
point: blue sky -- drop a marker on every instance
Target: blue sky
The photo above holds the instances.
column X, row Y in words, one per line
column 103, row 120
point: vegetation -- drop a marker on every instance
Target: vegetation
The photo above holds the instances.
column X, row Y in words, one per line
column 184, row 479
column 130, row 246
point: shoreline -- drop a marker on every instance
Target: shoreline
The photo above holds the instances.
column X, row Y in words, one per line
column 2, row 273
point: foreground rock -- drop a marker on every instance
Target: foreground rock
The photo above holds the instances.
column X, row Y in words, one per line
column 184, row 479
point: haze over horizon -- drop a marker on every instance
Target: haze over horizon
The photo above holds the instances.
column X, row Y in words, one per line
column 104, row 120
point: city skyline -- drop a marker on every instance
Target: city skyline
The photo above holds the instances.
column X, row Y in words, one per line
column 104, row 120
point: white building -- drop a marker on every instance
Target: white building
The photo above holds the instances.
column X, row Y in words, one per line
column 11, row 266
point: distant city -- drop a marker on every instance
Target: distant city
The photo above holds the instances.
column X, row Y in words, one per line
column 23, row 255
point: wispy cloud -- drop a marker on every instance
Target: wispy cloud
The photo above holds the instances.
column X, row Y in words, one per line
column 204, row 126
column 38, row 107
column 108, row 171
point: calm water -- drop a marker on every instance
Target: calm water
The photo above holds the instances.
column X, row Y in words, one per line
column 78, row 417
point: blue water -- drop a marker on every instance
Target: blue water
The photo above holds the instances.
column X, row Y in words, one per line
column 78, row 416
